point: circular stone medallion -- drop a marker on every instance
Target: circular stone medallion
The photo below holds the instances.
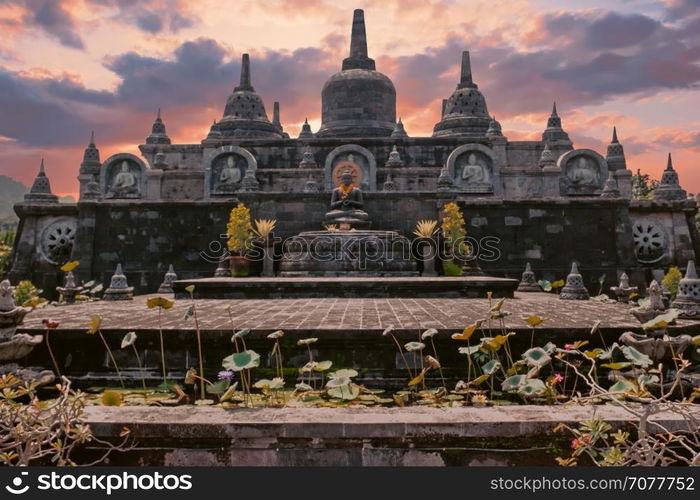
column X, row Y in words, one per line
column 57, row 241
column 649, row 240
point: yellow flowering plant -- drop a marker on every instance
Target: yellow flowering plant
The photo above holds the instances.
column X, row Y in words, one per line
column 453, row 228
column 239, row 230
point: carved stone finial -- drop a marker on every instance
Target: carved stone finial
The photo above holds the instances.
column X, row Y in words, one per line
column 167, row 285
column 394, row 159
column 119, row 288
column 574, row 288
column 528, row 282
column 688, row 298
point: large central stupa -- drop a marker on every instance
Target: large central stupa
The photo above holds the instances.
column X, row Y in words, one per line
column 359, row 101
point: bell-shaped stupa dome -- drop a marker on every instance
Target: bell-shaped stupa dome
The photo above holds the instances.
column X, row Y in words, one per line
column 464, row 113
column 359, row 101
column 244, row 115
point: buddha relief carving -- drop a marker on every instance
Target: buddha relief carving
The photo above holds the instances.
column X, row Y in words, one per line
column 228, row 174
column 584, row 173
column 125, row 182
column 475, row 171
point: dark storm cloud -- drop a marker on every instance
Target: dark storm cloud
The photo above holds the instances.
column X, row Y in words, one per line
column 200, row 73
column 152, row 16
column 54, row 19
column 193, row 85
column 577, row 58
column 36, row 118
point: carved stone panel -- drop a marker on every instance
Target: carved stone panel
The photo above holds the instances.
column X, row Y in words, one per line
column 583, row 173
column 123, row 177
column 472, row 169
column 226, row 170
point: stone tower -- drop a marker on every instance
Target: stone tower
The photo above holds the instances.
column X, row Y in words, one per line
column 464, row 114
column 90, row 166
column 669, row 187
column 244, row 115
column 358, row 101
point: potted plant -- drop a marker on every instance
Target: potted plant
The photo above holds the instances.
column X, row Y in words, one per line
column 456, row 248
column 240, row 234
column 263, row 230
column 425, row 231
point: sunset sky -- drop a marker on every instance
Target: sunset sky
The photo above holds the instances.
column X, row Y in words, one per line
column 70, row 66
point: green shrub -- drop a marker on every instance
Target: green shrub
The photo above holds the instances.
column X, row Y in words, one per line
column 451, row 269
column 671, row 280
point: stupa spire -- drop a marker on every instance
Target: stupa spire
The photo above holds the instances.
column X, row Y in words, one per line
column 158, row 133
column 358, row 58
column 41, row 188
column 465, row 78
column 91, row 155
column 669, row 188
column 616, row 153
column 245, row 83
column 554, row 131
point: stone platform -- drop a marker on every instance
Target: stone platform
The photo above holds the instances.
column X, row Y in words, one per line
column 347, row 287
column 496, row 436
column 349, row 332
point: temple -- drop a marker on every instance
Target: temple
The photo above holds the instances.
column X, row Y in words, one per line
column 546, row 202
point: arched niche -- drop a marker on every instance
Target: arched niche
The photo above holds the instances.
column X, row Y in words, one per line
column 473, row 169
column 225, row 168
column 360, row 161
column 123, row 176
column 583, row 173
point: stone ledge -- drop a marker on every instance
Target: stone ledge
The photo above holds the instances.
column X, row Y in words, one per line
column 201, row 422
column 514, row 435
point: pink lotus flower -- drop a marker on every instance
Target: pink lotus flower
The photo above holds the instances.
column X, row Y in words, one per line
column 558, row 378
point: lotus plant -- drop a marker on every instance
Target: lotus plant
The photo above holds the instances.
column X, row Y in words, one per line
column 242, row 361
column 430, row 334
column 309, row 366
column 341, row 386
column 129, row 340
column 192, row 312
column 416, row 348
column 94, row 328
column 161, row 303
column 51, row 325
column 277, row 351
column 389, row 331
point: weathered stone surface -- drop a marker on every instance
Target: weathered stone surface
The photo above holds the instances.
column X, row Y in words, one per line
column 350, row 437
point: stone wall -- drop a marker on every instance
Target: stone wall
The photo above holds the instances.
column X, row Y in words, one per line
column 145, row 237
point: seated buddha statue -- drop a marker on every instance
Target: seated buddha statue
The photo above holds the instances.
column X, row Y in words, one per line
column 346, row 205
column 125, row 184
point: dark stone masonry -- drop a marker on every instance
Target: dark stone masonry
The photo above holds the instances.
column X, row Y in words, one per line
column 543, row 202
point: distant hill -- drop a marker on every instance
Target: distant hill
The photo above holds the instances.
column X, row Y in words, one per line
column 12, row 191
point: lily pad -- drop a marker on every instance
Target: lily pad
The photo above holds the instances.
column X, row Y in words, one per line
column 243, row 360
column 431, row 332
column 338, row 382
column 469, row 350
column 536, row 356
column 344, row 372
column 277, row 334
column 491, row 367
column 128, row 339
column 228, row 394
column 636, row 357
column 414, row 346
column 514, row 382
column 346, row 392
column 322, row 366
column 533, row 387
